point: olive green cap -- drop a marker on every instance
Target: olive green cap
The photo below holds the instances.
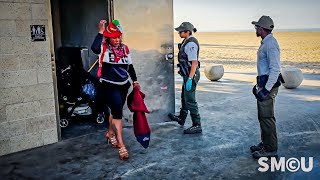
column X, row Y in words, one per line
column 265, row 22
column 185, row 26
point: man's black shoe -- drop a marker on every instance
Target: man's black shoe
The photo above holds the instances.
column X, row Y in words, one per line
column 193, row 130
column 176, row 118
column 256, row 147
column 264, row 153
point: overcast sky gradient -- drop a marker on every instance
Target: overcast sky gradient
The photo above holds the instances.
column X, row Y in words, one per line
column 233, row 15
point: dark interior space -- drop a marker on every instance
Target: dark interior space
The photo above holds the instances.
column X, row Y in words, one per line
column 75, row 27
column 76, row 24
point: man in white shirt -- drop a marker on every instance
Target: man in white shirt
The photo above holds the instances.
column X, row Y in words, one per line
column 268, row 82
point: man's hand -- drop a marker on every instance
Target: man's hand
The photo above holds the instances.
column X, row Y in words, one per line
column 188, row 84
column 262, row 94
column 255, row 91
column 102, row 26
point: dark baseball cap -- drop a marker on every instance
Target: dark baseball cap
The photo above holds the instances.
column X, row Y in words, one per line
column 185, row 26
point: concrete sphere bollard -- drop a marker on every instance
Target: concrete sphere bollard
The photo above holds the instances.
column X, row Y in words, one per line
column 214, row 72
column 292, row 76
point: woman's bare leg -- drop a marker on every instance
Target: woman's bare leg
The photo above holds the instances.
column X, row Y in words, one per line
column 110, row 135
column 123, row 153
column 118, row 125
column 111, row 131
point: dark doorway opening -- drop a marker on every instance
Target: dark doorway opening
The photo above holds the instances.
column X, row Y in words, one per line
column 75, row 25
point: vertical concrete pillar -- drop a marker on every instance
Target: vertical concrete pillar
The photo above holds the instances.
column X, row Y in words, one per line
column 27, row 104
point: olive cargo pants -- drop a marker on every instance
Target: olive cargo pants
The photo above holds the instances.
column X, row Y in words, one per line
column 268, row 121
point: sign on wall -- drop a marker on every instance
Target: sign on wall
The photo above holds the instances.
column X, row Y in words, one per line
column 38, row 33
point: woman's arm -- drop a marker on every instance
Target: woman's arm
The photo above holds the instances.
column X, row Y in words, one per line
column 132, row 73
column 133, row 76
column 96, row 45
column 194, row 66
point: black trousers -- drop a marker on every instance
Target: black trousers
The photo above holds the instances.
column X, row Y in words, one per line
column 113, row 97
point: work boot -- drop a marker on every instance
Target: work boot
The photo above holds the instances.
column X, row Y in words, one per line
column 193, row 130
column 256, row 147
column 264, row 153
column 196, row 120
column 176, row 118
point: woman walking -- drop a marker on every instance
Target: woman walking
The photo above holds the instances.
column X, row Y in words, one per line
column 115, row 67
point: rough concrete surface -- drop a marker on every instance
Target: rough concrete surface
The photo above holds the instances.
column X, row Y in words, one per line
column 230, row 127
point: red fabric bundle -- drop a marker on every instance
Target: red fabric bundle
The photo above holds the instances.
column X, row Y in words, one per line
column 141, row 127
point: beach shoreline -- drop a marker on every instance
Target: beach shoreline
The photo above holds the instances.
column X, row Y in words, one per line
column 237, row 50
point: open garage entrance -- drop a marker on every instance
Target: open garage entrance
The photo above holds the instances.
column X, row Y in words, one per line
column 74, row 29
column 150, row 42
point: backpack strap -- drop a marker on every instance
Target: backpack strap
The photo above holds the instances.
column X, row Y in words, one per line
column 104, row 49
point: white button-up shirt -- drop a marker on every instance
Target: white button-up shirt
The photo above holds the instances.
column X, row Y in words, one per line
column 268, row 60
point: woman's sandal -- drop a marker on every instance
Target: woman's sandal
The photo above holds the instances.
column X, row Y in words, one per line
column 123, row 153
column 111, row 139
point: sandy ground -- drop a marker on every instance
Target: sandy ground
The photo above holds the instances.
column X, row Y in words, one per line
column 237, row 50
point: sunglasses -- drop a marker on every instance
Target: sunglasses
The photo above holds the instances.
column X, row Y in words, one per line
column 256, row 26
column 182, row 32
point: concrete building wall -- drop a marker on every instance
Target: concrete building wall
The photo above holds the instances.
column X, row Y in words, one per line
column 27, row 104
column 148, row 31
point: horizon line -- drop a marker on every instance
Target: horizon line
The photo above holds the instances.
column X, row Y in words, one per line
column 275, row 30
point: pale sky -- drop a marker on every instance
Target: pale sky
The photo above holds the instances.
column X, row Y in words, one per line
column 232, row 15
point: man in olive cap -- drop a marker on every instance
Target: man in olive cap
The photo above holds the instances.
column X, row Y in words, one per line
column 189, row 70
column 266, row 89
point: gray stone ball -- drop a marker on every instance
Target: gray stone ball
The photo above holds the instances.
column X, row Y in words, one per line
column 214, row 72
column 293, row 77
